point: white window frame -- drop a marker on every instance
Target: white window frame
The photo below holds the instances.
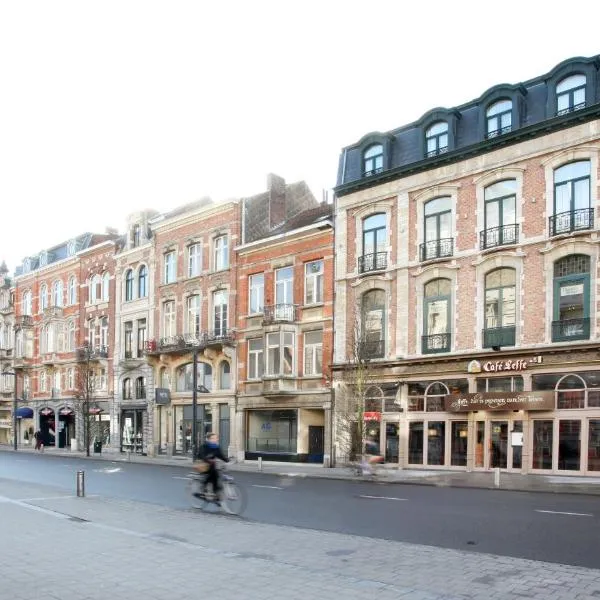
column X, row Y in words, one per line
column 43, row 381
column 221, row 309
column 277, row 370
column 315, row 280
column 27, row 303
column 106, row 287
column 192, row 317
column 221, row 252
column 129, row 285
column 72, row 293
column 70, row 342
column 169, row 319
column 57, row 293
column 256, row 291
column 43, row 297
column 70, row 378
column 312, row 352
column 256, row 359
column 142, row 293
column 194, row 260
column 170, row 267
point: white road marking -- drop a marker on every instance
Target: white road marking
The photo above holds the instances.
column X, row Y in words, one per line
column 182, row 478
column 383, row 498
column 559, row 512
column 107, row 470
column 268, row 487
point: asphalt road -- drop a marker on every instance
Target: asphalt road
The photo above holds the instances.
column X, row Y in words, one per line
column 557, row 528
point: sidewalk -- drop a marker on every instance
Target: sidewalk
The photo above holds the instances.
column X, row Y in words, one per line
column 59, row 547
column 478, row 479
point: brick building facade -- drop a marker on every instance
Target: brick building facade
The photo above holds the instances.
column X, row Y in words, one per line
column 472, row 257
column 7, row 380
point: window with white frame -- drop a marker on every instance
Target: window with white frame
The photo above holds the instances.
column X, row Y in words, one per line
column 104, row 332
column 373, row 160
column 170, row 271
column 220, row 300
column 192, row 320
column 257, row 293
column 27, row 303
column 129, row 285
column 43, row 381
column 313, row 353
column 570, row 94
column 127, row 388
column 128, row 339
column 48, row 338
column 60, row 337
column 284, row 293
column 57, row 383
column 255, row 358
column 140, row 388
column 224, row 375
column 70, row 378
column 194, row 260
column 105, row 287
column 436, row 139
column 57, row 293
column 169, row 319
column 143, row 282
column 19, row 346
column 72, row 293
column 499, row 118
column 95, row 294
column 165, row 378
column 141, row 337
column 100, row 379
column 313, row 284
column 185, row 375
column 221, row 253
column 71, row 336
column 136, row 235
column 43, row 297
column 280, row 353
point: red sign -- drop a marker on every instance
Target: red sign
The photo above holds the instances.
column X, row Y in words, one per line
column 372, row 416
column 65, row 412
column 95, row 410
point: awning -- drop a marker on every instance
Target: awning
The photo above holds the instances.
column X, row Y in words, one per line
column 24, row 413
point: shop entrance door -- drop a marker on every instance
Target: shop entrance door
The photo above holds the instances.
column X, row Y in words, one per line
column 499, row 444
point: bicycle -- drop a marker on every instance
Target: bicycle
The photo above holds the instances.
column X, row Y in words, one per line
column 231, row 498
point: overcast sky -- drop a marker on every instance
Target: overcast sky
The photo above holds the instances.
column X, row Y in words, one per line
column 109, row 107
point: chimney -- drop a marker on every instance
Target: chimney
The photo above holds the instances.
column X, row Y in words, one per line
column 276, row 189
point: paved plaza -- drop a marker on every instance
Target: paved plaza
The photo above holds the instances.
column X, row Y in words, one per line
column 61, row 547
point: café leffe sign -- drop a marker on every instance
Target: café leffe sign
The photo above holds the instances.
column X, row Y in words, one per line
column 499, row 401
column 496, row 366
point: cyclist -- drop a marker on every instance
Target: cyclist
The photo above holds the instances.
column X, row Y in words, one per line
column 208, row 454
column 372, row 456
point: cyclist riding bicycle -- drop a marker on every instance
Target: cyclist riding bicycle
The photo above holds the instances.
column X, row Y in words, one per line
column 208, row 454
column 371, row 457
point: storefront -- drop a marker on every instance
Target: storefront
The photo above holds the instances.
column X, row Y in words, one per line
column 66, row 427
column 134, row 421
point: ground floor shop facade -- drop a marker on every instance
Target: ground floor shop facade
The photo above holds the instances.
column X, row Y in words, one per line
column 525, row 413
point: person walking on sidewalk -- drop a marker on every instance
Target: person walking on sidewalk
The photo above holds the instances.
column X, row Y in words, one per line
column 39, row 440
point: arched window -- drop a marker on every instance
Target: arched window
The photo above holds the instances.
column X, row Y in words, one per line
column 372, row 341
column 72, row 291
column 143, row 282
column 373, row 160
column 127, row 389
column 500, row 217
column 436, row 139
column 48, row 338
column 438, row 229
column 571, row 318
column 140, row 388
column 184, row 377
column 27, row 303
column 105, row 287
column 437, row 316
column 570, row 94
column 129, row 285
column 57, row 293
column 225, row 375
column 374, row 244
column 43, row 297
column 95, row 289
column 498, row 118
column 572, row 198
column 500, row 308
column 570, row 392
column 165, row 378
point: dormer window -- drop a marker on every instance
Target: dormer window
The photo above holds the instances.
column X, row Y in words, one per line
column 43, row 259
column 436, row 138
column 570, row 94
column 373, row 160
column 136, row 235
column 27, row 265
column 71, row 248
column 499, row 118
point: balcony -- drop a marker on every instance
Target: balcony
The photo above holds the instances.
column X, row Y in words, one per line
column 181, row 344
column 498, row 236
column 373, row 172
column 91, row 353
column 570, row 221
column 437, row 151
column 438, row 342
column 53, row 312
column 376, row 261
column 570, row 109
column 497, row 337
column 371, row 349
column 279, row 386
column 24, row 321
column 442, row 248
column 570, row 330
column 21, row 362
column 280, row 313
column 49, row 358
column 497, row 132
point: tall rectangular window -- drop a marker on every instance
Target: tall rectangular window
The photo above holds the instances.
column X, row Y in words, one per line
column 169, row 319
column 220, row 312
column 170, row 271
column 221, row 249
column 280, row 353
column 255, row 358
column 128, row 339
column 313, row 353
column 194, row 260
column 257, row 293
column 141, row 337
column 193, row 315
column 104, row 332
column 313, row 288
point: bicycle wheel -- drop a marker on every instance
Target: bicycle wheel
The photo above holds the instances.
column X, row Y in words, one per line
column 233, row 498
column 194, row 490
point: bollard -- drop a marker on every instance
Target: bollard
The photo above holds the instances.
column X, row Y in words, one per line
column 496, row 477
column 80, row 484
column 260, row 463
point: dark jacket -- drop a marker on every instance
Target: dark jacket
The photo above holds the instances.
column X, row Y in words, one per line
column 205, row 452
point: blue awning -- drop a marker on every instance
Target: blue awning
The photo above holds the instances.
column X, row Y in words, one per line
column 24, row 413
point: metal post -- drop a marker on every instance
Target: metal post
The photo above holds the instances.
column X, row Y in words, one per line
column 260, row 463
column 14, row 423
column 80, row 484
column 194, row 404
column 496, row 477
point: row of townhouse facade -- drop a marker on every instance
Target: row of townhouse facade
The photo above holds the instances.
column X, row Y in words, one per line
column 468, row 244
column 238, row 288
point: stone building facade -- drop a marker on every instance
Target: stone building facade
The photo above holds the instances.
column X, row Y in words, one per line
column 7, row 378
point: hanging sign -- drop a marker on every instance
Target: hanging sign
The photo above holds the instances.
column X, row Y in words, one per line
column 499, row 401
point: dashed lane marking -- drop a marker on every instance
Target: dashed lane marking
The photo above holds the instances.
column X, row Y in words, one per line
column 383, row 498
column 560, row 512
column 268, row 487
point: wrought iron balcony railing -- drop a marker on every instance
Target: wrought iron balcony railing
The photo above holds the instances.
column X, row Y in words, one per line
column 91, row 353
column 437, row 151
column 498, row 132
column 498, row 236
column 442, row 248
column 24, row 321
column 376, row 261
column 188, row 342
column 372, row 172
column 571, row 329
column 371, row 349
column 281, row 313
column 499, row 337
column 572, row 220
column 437, row 342
column 570, row 109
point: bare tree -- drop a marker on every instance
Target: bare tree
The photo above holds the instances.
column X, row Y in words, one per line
column 85, row 386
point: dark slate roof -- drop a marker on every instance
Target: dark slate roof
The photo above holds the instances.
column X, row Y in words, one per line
column 321, row 212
